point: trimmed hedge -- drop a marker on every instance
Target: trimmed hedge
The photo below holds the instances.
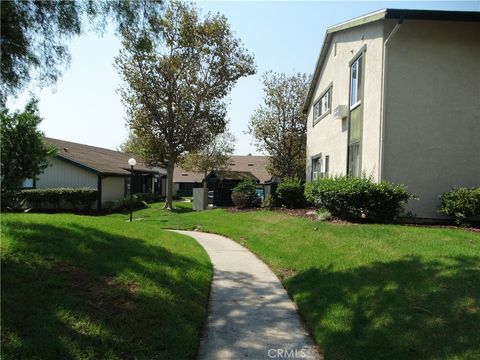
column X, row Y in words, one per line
column 461, row 203
column 124, row 204
column 244, row 194
column 78, row 198
column 358, row 197
column 290, row 193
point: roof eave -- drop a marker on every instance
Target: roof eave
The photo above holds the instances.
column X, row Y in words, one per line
column 362, row 20
column 380, row 15
column 76, row 163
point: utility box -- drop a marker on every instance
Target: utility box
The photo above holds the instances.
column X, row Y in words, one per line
column 340, row 112
column 200, row 199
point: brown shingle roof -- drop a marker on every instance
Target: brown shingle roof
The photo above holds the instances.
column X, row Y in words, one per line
column 227, row 175
column 96, row 159
column 257, row 165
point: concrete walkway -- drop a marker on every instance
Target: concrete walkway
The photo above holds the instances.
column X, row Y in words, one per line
column 250, row 314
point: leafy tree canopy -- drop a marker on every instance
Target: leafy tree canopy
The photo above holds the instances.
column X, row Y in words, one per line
column 23, row 152
column 215, row 155
column 177, row 75
column 279, row 126
column 35, row 34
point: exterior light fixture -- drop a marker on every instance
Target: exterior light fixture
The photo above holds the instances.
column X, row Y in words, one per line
column 132, row 162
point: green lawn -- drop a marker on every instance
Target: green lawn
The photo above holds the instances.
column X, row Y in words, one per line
column 99, row 288
column 364, row 291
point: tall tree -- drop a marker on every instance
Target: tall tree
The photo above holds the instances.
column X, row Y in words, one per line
column 35, row 34
column 215, row 155
column 131, row 145
column 23, row 153
column 279, row 126
column 175, row 83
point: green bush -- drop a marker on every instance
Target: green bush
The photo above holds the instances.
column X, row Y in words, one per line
column 269, row 202
column 78, row 199
column 290, row 193
column 323, row 215
column 244, row 194
column 461, row 203
column 150, row 197
column 124, row 204
column 358, row 197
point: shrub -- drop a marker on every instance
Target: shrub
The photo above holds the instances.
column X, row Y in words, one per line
column 461, row 203
column 244, row 194
column 358, row 197
column 124, row 204
column 150, row 197
column 290, row 193
column 78, row 199
column 324, row 215
column 10, row 200
column 268, row 202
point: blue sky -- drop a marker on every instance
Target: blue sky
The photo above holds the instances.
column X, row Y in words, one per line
column 284, row 37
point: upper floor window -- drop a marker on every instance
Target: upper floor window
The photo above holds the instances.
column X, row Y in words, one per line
column 355, row 82
column 323, row 105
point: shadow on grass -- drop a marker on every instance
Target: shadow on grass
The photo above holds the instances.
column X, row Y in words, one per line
column 182, row 209
column 406, row 309
column 60, row 299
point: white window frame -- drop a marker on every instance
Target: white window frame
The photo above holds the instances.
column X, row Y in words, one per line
column 354, row 83
column 325, row 160
column 323, row 106
column 318, row 173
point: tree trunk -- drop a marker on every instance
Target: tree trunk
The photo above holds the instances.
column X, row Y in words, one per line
column 169, row 198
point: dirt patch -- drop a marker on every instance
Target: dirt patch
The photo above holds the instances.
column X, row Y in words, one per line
column 468, row 228
column 286, row 273
column 305, row 213
column 103, row 292
column 312, row 215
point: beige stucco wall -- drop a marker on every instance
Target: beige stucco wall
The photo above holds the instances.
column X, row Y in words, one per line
column 113, row 188
column 329, row 135
column 432, row 123
column 60, row 173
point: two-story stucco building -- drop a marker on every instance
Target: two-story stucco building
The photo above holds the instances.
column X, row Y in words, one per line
column 396, row 95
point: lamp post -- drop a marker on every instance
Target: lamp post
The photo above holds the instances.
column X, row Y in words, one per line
column 131, row 162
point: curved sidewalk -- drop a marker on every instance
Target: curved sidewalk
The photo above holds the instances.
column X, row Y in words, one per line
column 250, row 314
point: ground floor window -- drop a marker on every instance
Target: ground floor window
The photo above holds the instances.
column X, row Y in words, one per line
column 320, row 166
column 354, row 159
column 326, row 166
column 28, row 184
column 316, row 167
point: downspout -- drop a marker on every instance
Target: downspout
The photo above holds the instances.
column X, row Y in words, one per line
column 382, row 102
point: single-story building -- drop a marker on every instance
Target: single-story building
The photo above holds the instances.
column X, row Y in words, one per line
column 184, row 181
column 395, row 95
column 78, row 165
